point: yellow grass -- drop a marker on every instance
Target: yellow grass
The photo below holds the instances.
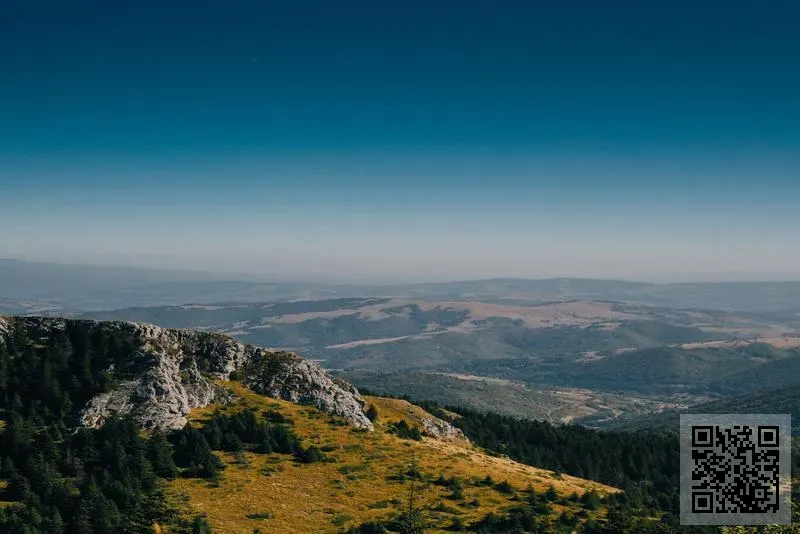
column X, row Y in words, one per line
column 3, row 486
column 326, row 497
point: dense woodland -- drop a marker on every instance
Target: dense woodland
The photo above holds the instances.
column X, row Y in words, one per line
column 94, row 481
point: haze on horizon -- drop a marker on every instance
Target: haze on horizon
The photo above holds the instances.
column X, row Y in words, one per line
column 365, row 142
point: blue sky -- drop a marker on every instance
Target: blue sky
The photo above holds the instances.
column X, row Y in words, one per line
column 404, row 139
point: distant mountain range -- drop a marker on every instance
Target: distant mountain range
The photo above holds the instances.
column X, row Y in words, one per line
column 74, row 288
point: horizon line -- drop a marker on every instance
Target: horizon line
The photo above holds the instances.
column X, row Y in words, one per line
column 270, row 278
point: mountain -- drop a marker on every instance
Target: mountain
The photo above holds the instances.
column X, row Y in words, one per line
column 127, row 427
column 73, row 288
column 76, row 288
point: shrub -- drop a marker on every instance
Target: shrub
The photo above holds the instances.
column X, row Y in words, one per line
column 403, row 430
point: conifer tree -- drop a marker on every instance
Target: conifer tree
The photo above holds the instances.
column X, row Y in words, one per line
column 159, row 452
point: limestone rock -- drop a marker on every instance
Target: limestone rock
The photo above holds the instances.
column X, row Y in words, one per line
column 442, row 430
column 300, row 381
column 171, row 371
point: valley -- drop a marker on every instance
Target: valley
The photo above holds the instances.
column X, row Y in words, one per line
column 589, row 362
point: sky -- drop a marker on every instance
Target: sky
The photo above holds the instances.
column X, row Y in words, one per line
column 410, row 140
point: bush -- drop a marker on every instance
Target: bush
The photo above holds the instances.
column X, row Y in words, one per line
column 368, row 528
column 403, row 430
column 504, row 487
column 457, row 525
column 310, row 455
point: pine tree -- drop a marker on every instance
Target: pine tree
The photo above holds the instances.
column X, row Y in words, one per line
column 194, row 453
column 201, row 526
column 5, row 369
column 159, row 452
column 54, row 523
column 618, row 521
column 411, row 520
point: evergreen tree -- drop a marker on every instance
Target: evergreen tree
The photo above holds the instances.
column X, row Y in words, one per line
column 193, row 453
column 201, row 526
column 159, row 452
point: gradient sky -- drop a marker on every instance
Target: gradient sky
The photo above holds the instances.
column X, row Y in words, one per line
column 436, row 140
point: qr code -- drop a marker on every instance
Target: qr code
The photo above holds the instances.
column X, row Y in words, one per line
column 734, row 468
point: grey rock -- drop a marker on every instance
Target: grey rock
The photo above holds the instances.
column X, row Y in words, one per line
column 174, row 371
column 441, row 430
column 300, row 381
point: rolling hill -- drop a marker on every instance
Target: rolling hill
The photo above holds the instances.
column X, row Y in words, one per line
column 587, row 361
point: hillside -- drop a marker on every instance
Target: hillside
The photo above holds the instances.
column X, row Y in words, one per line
column 331, row 328
column 235, row 438
column 365, row 478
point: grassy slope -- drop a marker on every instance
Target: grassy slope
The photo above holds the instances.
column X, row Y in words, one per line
column 322, row 497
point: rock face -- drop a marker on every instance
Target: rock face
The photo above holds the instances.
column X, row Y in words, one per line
column 173, row 371
column 442, row 430
column 300, row 381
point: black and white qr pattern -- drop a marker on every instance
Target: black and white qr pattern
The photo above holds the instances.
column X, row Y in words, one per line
column 736, row 470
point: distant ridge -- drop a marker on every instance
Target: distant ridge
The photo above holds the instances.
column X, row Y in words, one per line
column 76, row 288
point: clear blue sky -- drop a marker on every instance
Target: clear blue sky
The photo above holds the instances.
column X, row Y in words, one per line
column 435, row 139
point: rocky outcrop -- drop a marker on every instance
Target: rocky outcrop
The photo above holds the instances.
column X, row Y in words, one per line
column 442, row 430
column 168, row 372
column 294, row 379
